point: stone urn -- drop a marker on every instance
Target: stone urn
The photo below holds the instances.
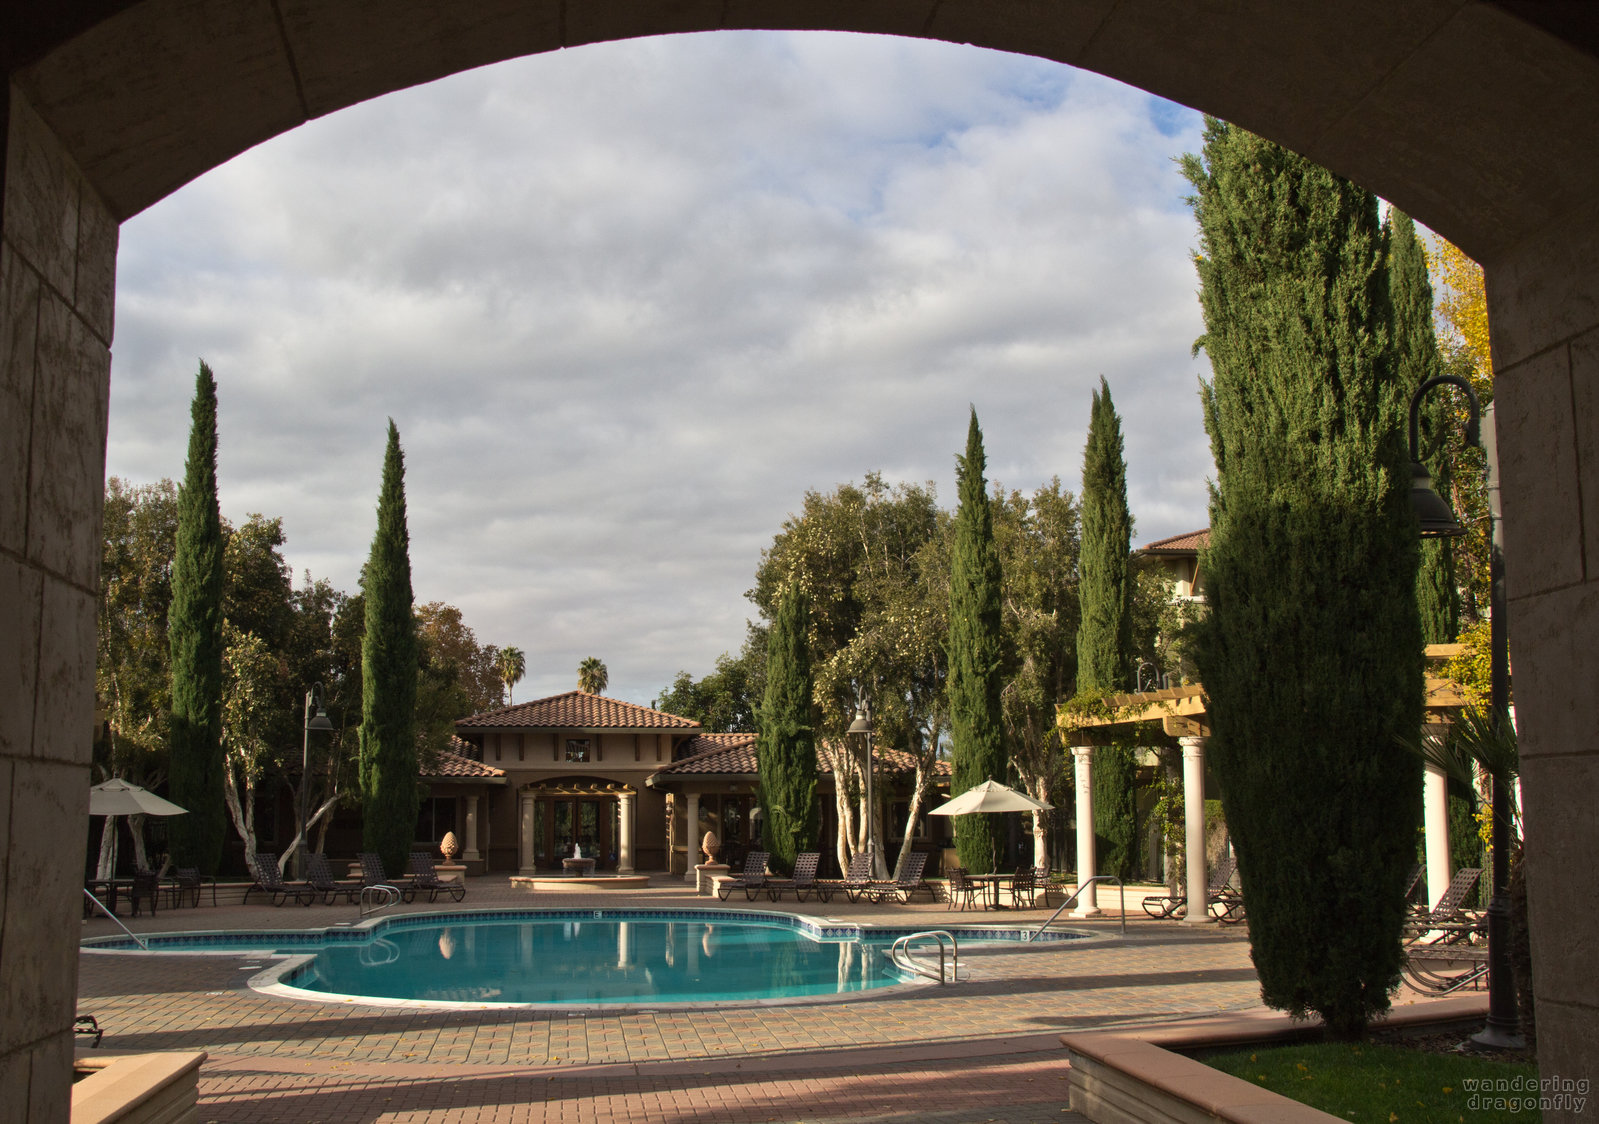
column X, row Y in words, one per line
column 710, row 845
column 449, row 846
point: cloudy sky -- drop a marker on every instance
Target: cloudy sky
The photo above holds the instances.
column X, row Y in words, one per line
column 627, row 303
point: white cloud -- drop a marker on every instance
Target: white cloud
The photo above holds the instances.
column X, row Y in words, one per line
column 628, row 302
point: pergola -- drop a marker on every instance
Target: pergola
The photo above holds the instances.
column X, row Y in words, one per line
column 1182, row 714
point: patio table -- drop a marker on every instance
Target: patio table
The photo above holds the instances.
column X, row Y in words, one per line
column 991, row 882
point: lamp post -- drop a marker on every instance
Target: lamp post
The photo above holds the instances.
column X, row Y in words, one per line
column 1438, row 520
column 313, row 697
column 863, row 726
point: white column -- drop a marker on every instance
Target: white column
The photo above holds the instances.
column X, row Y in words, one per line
column 1435, row 813
column 1087, row 903
column 1194, row 830
column 524, row 847
column 470, row 854
column 691, row 836
column 624, row 845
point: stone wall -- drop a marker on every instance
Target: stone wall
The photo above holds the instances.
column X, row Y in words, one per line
column 58, row 245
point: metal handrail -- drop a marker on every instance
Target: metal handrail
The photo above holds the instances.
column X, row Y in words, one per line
column 1087, row 882
column 902, row 956
column 114, row 917
column 370, row 895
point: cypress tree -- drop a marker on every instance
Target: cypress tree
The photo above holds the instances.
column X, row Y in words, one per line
column 1311, row 655
column 786, row 747
column 389, row 793
column 1104, row 591
column 194, row 633
column 976, row 721
column 1416, row 359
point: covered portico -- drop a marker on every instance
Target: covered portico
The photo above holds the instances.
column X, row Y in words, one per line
column 576, row 817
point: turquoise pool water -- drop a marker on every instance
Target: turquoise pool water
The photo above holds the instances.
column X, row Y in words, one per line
column 583, row 958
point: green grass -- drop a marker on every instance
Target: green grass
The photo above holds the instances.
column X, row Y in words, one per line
column 1377, row 1084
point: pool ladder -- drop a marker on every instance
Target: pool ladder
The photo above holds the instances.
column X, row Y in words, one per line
column 904, row 956
column 377, row 897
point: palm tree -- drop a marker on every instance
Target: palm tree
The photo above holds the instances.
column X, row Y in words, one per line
column 592, row 676
column 511, row 666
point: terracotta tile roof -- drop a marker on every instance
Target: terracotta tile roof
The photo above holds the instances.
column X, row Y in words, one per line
column 1190, row 542
column 734, row 755
column 575, row 710
column 716, row 753
column 457, row 762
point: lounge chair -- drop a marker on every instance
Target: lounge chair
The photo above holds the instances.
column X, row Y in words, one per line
column 804, row 881
column 1449, row 921
column 319, row 876
column 1414, row 903
column 752, row 881
column 857, row 879
column 1175, row 905
column 962, row 888
column 909, row 882
column 269, row 880
column 425, row 877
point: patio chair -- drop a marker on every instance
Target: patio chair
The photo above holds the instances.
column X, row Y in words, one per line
column 185, row 885
column 804, row 881
column 319, row 876
column 146, row 889
column 1022, row 885
column 425, row 877
column 909, row 882
column 1045, row 887
column 752, row 881
column 857, row 879
column 962, row 888
column 269, row 880
column 1167, row 906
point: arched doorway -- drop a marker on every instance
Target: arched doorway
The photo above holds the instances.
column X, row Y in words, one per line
column 1476, row 117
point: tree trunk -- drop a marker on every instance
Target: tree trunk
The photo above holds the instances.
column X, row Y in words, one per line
column 243, row 816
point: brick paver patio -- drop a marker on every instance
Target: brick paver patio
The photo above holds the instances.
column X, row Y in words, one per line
column 983, row 1050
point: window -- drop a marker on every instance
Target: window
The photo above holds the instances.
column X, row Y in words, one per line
column 577, row 749
column 434, row 818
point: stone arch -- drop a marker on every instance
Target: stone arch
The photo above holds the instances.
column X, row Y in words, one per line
column 1476, row 116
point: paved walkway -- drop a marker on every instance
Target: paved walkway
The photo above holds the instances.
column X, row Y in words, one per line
column 984, row 1050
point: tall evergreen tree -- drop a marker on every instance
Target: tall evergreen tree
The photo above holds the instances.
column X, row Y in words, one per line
column 1417, row 359
column 787, row 747
column 194, row 631
column 1311, row 655
column 1104, row 639
column 389, row 792
column 977, row 726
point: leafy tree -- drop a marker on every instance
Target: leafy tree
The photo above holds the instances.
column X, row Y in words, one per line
column 724, row 702
column 510, row 664
column 975, row 653
column 1104, row 640
column 786, row 747
column 1416, row 360
column 194, row 633
column 592, row 676
column 1037, row 540
column 389, row 794
column 1311, row 653
column 862, row 554
column 251, row 677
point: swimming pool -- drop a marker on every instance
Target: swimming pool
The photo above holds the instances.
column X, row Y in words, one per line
column 600, row 957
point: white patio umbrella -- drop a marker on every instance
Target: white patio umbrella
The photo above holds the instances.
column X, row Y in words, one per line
column 990, row 796
column 116, row 797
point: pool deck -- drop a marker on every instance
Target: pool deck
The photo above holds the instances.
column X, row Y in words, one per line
column 983, row 1050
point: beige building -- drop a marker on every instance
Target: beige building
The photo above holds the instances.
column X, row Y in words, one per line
column 526, row 786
